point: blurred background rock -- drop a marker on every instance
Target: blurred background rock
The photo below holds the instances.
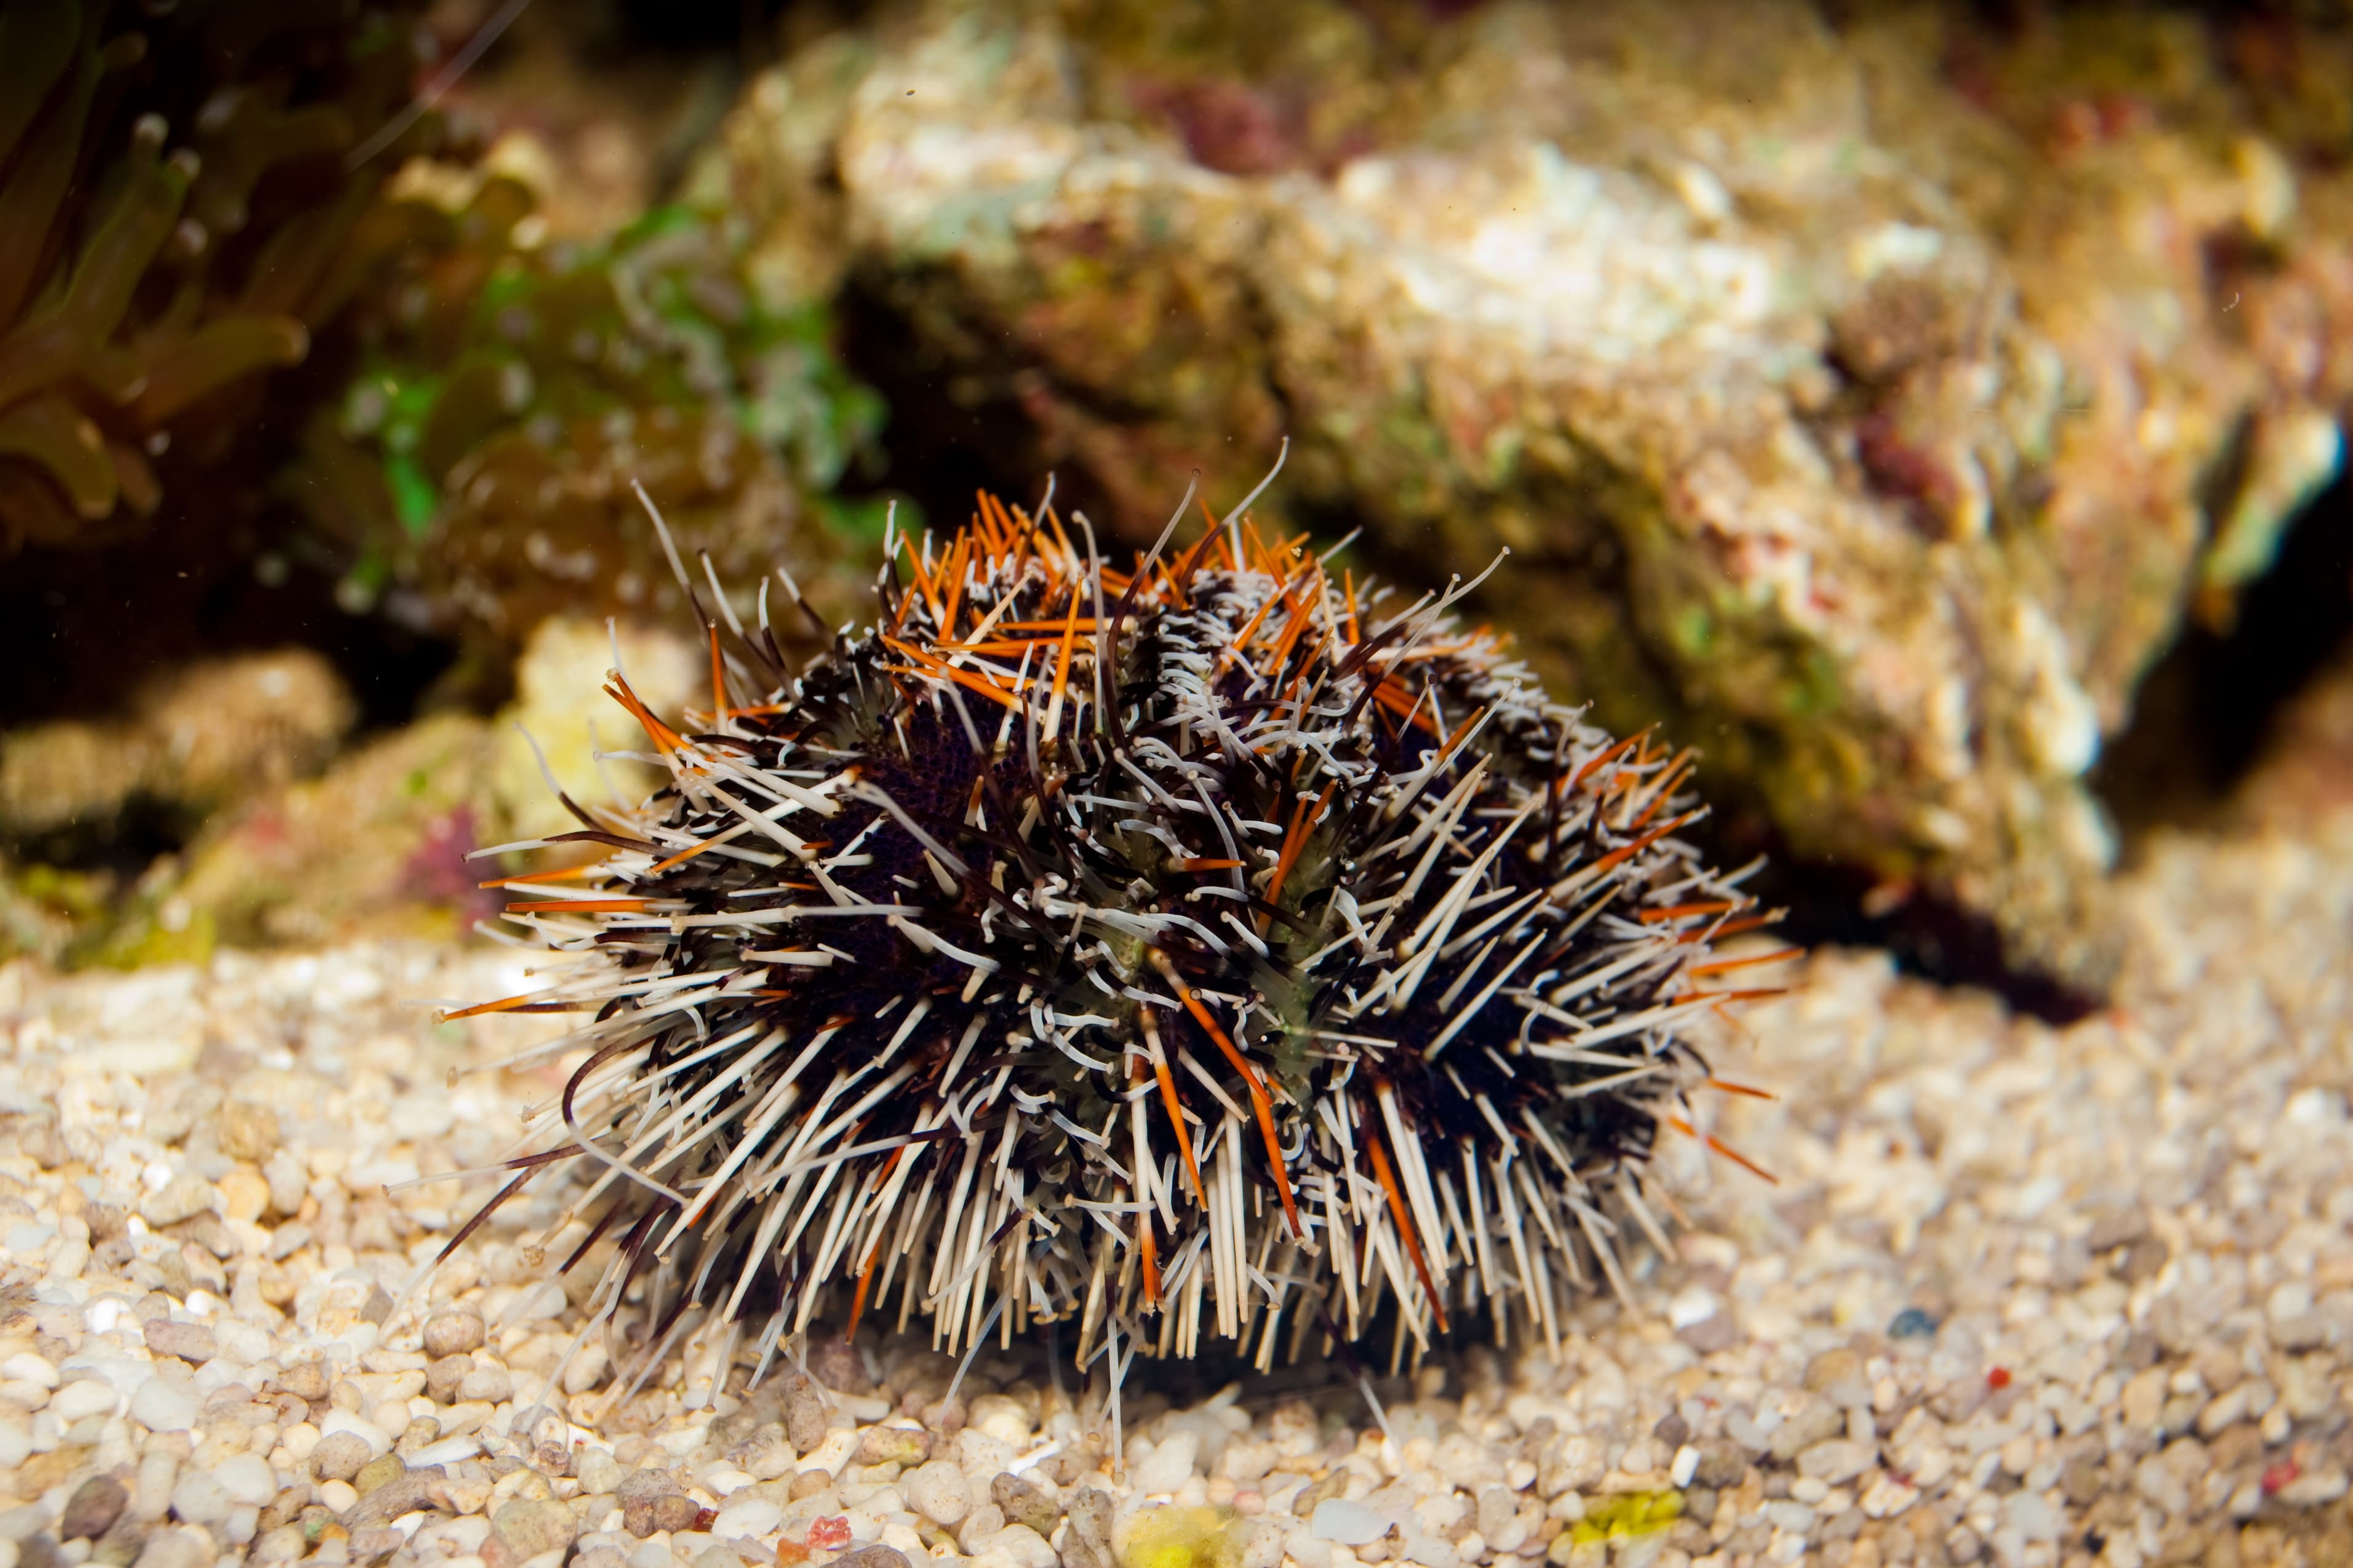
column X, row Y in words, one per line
column 1931, row 413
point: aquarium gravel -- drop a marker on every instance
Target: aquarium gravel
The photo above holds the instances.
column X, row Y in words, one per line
column 2022, row 1295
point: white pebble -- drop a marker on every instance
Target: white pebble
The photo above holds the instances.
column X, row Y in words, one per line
column 184, row 1547
column 938, row 1491
column 368, row 1431
column 160, row 1407
column 1347, row 1523
column 1835, row 1460
column 1694, row 1305
column 420, row 1116
column 79, row 1401
column 200, row 1499
column 832, row 1454
column 241, row 1342
column 1001, row 1418
column 981, row 1455
column 2032, row 1516
column 750, row 1517
column 1015, row 1546
column 1170, row 1463
column 248, row 1479
column 180, row 1197
column 27, row 1367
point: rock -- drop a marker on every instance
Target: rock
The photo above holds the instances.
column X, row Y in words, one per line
column 246, row 1131
column 985, row 1520
column 339, row 1456
column 93, row 1508
column 248, row 1479
column 421, row 1433
column 598, row 1471
column 376, row 1546
column 2314, row 1489
column 184, row 1196
column 1255, row 1543
column 835, row 1364
column 453, row 1330
column 199, row 1499
column 83, row 1398
column 1721, row 1465
column 446, row 1376
column 1023, row 1503
column 1347, row 1523
column 1570, row 1462
column 414, row 1117
column 529, row 1528
column 190, row 1342
column 1170, row 1463
column 1014, row 1546
column 162, row 1406
column 765, row 1456
column 1091, row 1512
column 378, row 1471
column 490, row 1384
column 304, row 1380
column 203, row 734
column 806, row 1412
column 874, row 1556
column 405, row 1492
column 1837, row 1461
column 375, row 843
column 650, row 1501
column 1814, row 1420
column 1838, row 1376
column 938, row 1491
column 746, row 1516
column 980, row 1455
column 1008, row 1420
column 2158, row 1482
column 1882, row 495
column 243, row 1193
column 184, row 1547
column 904, row 1446
column 339, row 1420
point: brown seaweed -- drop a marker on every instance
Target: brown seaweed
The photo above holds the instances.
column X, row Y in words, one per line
column 481, row 464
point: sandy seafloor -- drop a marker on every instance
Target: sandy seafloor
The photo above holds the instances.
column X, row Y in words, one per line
column 2022, row 1295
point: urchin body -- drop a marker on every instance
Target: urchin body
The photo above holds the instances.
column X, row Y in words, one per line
column 1180, row 951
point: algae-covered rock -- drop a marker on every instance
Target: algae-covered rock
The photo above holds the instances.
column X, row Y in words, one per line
column 563, row 717
column 193, row 741
column 379, row 842
column 1864, row 401
column 515, row 392
column 376, row 843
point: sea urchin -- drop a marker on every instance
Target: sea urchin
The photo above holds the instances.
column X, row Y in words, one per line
column 1186, row 949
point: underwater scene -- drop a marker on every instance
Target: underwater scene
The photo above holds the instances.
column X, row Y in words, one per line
column 1093, row 784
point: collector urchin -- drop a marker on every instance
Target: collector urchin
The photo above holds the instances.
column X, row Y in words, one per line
column 1186, row 949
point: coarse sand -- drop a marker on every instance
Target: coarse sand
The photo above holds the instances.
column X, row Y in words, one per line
column 2019, row 1294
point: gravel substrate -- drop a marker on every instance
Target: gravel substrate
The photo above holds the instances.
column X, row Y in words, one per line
column 2022, row 1295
